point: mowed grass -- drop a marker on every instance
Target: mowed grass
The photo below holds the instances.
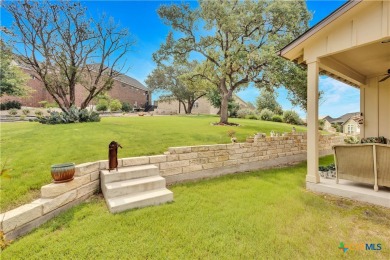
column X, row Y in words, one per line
column 29, row 149
column 264, row 214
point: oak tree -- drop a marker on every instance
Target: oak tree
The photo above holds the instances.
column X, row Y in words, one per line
column 236, row 40
column 178, row 81
column 13, row 81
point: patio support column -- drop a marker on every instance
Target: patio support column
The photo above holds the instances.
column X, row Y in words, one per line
column 312, row 122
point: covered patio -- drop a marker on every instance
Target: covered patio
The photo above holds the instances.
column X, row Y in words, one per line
column 351, row 45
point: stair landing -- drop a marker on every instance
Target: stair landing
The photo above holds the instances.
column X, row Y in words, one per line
column 134, row 187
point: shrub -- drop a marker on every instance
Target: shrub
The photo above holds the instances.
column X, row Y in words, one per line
column 26, row 111
column 38, row 113
column 13, row 112
column 47, row 104
column 102, row 105
column 277, row 118
column 22, row 117
column 242, row 113
column 233, row 108
column 10, row 105
column 231, row 133
column 94, row 117
column 291, row 117
column 251, row 116
column 126, row 107
column 115, row 105
column 352, row 140
column 73, row 116
column 266, row 114
column 43, row 103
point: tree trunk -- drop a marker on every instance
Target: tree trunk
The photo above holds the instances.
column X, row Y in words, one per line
column 190, row 105
column 226, row 94
column 224, row 108
column 184, row 106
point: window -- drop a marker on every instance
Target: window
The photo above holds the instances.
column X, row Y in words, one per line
column 196, row 105
column 350, row 129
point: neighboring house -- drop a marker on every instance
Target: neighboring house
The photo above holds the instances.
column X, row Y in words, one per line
column 125, row 88
column 327, row 124
column 348, row 123
column 201, row 106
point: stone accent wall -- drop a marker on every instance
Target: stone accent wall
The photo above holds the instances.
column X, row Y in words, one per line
column 176, row 165
column 55, row 198
column 195, row 162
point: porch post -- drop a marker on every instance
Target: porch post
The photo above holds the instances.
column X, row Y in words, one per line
column 312, row 122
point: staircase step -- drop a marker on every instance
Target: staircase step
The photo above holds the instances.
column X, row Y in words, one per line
column 127, row 173
column 116, row 189
column 139, row 200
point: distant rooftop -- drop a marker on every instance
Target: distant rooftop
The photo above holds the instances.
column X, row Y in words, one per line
column 342, row 119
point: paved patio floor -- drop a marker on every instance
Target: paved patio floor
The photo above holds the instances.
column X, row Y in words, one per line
column 352, row 190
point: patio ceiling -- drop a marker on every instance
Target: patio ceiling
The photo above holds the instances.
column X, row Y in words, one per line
column 354, row 66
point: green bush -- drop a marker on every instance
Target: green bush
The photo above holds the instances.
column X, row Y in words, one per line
column 13, row 112
column 251, row 116
column 292, row 117
column 47, row 104
column 242, row 113
column 102, row 105
column 38, row 113
column 10, row 105
column 126, row 107
column 266, row 114
column 115, row 105
column 26, row 111
column 73, row 116
column 277, row 118
column 233, row 108
column 352, row 140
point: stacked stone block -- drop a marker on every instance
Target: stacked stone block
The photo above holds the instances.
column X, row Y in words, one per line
column 55, row 198
column 176, row 165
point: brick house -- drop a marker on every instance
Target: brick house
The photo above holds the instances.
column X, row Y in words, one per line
column 125, row 88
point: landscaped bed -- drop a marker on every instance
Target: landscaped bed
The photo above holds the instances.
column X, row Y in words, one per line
column 262, row 214
column 29, row 149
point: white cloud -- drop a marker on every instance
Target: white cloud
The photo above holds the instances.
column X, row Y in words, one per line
column 339, row 98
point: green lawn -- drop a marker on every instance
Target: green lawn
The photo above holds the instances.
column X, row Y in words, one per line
column 258, row 215
column 28, row 149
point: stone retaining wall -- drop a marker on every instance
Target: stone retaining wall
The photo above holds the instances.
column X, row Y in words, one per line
column 176, row 165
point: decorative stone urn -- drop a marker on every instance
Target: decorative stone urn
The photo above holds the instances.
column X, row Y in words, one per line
column 62, row 172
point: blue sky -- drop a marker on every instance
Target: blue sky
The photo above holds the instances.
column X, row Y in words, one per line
column 143, row 22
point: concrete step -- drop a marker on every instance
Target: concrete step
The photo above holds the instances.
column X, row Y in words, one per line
column 120, row 188
column 139, row 200
column 127, row 173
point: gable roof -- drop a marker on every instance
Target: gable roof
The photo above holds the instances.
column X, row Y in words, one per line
column 131, row 81
column 342, row 119
column 320, row 25
column 122, row 78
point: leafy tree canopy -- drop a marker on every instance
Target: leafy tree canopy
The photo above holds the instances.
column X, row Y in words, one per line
column 12, row 79
column 178, row 81
column 238, row 41
column 267, row 100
